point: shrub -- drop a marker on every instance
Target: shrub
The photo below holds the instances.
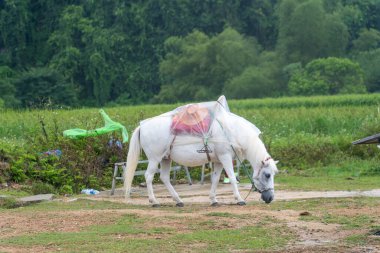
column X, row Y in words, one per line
column 42, row 188
column 85, row 163
column 9, row 203
column 328, row 76
column 66, row 189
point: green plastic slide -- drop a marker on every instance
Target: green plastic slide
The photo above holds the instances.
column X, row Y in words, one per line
column 109, row 126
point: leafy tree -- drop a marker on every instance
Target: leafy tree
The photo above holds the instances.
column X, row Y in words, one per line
column 115, row 51
column 368, row 39
column 14, row 20
column 328, row 76
column 254, row 82
column 307, row 36
column 7, row 89
column 353, row 17
column 41, row 86
column 370, row 10
column 261, row 80
column 85, row 53
column 370, row 62
column 68, row 63
column 198, row 67
column 337, row 36
column 101, row 77
column 307, row 32
column 258, row 19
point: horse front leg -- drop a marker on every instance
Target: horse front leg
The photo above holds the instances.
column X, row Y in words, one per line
column 226, row 160
column 215, row 177
column 149, row 176
column 165, row 178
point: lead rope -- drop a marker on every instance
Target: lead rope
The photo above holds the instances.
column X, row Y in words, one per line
column 241, row 164
column 244, row 168
column 250, row 190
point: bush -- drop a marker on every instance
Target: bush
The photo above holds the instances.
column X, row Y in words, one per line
column 85, row 163
column 328, row 76
column 66, row 189
column 254, row 82
column 9, row 203
column 42, row 188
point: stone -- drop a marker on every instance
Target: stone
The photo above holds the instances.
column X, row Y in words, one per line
column 37, row 198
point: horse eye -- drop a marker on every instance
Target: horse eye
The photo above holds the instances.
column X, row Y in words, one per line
column 267, row 175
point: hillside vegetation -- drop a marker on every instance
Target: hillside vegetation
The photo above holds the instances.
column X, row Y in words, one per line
column 97, row 53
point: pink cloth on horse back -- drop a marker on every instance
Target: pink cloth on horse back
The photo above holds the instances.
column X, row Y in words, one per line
column 200, row 128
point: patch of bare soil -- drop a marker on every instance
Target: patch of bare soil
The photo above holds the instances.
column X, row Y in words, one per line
column 15, row 249
column 311, row 236
column 14, row 224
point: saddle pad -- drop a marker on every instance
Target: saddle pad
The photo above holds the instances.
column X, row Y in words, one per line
column 199, row 128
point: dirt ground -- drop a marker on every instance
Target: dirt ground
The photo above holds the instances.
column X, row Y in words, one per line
column 198, row 193
column 312, row 236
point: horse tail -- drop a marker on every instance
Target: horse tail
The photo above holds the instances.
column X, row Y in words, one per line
column 132, row 161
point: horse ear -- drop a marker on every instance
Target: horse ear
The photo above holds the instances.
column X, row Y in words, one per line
column 275, row 162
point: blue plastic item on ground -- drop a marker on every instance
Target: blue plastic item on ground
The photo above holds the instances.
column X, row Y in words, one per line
column 55, row 152
column 89, row 191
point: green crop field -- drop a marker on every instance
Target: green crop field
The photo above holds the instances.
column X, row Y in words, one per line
column 311, row 136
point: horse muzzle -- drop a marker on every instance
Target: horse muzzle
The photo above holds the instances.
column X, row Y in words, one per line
column 267, row 196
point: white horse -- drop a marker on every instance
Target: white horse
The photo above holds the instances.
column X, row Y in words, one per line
column 230, row 137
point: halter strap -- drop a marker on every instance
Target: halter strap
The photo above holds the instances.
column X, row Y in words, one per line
column 267, row 159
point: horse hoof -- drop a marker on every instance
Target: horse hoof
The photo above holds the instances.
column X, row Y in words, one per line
column 241, row 203
column 156, row 205
column 180, row 204
column 215, row 204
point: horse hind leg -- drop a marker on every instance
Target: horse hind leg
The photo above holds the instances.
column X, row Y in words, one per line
column 149, row 176
column 165, row 178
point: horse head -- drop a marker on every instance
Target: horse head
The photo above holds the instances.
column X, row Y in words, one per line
column 263, row 179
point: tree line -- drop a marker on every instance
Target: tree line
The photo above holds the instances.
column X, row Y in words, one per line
column 103, row 52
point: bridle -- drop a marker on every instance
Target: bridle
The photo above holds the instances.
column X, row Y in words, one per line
column 258, row 173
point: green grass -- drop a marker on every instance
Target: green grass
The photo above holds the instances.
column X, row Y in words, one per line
column 228, row 215
column 98, row 238
column 326, row 183
column 356, row 222
column 360, row 239
column 324, row 204
column 14, row 192
column 132, row 233
column 80, row 204
column 247, row 238
column 309, row 102
column 211, row 233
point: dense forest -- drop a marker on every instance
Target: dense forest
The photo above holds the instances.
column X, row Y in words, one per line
column 108, row 52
